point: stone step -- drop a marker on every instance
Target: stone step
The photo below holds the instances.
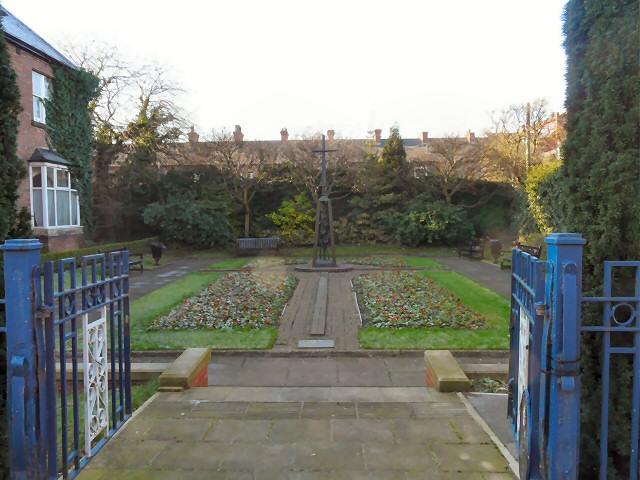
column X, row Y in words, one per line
column 139, row 371
column 315, row 394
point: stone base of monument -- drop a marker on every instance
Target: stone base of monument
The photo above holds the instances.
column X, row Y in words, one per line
column 344, row 267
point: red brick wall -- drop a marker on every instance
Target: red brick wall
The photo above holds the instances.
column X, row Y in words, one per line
column 62, row 243
column 29, row 136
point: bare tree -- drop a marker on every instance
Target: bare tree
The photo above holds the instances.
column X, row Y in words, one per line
column 136, row 109
column 244, row 166
column 306, row 165
column 455, row 165
column 518, row 139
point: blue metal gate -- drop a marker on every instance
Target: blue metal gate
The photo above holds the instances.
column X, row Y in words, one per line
column 52, row 316
column 544, row 370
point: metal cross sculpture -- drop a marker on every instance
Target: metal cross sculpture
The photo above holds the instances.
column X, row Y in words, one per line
column 324, row 237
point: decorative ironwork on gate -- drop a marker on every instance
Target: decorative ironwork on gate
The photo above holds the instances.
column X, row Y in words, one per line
column 527, row 316
column 82, row 324
column 620, row 319
column 546, row 330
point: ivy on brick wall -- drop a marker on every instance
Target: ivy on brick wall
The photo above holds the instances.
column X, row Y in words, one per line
column 70, row 131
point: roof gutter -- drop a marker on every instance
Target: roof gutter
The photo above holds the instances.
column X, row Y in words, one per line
column 29, row 48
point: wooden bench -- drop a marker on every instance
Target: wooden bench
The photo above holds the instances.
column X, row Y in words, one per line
column 505, row 261
column 444, row 372
column 138, row 262
column 475, row 249
column 250, row 245
column 190, row 369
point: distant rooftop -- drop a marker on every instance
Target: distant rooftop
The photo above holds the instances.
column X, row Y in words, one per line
column 20, row 34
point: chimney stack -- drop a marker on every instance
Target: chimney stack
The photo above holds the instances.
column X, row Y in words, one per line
column 284, row 136
column 425, row 137
column 193, row 135
column 237, row 134
column 331, row 134
column 471, row 136
column 378, row 132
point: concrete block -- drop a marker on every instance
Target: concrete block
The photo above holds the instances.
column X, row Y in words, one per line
column 444, row 373
column 190, row 369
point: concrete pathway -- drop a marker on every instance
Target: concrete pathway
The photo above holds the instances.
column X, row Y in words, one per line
column 294, row 418
column 141, row 284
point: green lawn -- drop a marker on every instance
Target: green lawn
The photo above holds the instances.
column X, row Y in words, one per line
column 421, row 262
column 145, row 309
column 493, row 306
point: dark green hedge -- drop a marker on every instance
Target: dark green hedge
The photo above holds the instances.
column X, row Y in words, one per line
column 134, row 246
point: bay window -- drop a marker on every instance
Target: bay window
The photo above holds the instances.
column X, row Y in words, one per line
column 54, row 202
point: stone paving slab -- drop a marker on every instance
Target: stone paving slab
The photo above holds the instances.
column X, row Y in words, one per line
column 200, row 433
column 326, row 371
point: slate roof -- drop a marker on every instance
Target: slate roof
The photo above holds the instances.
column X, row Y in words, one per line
column 49, row 156
column 407, row 142
column 18, row 33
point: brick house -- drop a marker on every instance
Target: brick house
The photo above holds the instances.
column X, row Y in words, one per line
column 48, row 190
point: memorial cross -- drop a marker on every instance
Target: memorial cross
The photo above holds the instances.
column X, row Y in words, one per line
column 324, row 151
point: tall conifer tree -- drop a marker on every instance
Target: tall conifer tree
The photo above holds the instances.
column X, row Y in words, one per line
column 11, row 173
column 601, row 198
column 11, row 167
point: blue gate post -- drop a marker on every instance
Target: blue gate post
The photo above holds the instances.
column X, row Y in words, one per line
column 564, row 289
column 20, row 258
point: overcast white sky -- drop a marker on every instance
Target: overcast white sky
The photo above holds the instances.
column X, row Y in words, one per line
column 350, row 65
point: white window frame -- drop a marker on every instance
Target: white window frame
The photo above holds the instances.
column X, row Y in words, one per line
column 43, row 191
column 44, row 83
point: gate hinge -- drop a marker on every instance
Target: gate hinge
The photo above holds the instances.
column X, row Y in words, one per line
column 44, row 313
column 542, row 309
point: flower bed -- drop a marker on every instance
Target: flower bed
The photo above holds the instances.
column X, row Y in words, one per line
column 275, row 262
column 375, row 261
column 401, row 299
column 242, row 299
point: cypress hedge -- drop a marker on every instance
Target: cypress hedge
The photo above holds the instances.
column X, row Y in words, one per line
column 600, row 181
column 12, row 171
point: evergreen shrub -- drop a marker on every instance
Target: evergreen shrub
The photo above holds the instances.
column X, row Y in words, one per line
column 189, row 221
column 600, row 178
column 431, row 223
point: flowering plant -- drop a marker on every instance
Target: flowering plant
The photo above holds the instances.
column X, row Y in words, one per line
column 402, row 299
column 239, row 299
column 376, row 261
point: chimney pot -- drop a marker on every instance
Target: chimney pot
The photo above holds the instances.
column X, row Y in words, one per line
column 331, row 134
column 284, row 136
column 378, row 132
column 193, row 135
column 425, row 137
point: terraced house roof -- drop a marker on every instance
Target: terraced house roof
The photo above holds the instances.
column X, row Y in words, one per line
column 18, row 33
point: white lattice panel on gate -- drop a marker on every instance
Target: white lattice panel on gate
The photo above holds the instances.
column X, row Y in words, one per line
column 96, row 391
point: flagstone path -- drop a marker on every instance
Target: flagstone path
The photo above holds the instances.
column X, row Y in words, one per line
column 304, row 419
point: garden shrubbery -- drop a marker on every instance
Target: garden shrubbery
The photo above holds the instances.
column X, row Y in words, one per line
column 189, row 221
column 430, row 223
